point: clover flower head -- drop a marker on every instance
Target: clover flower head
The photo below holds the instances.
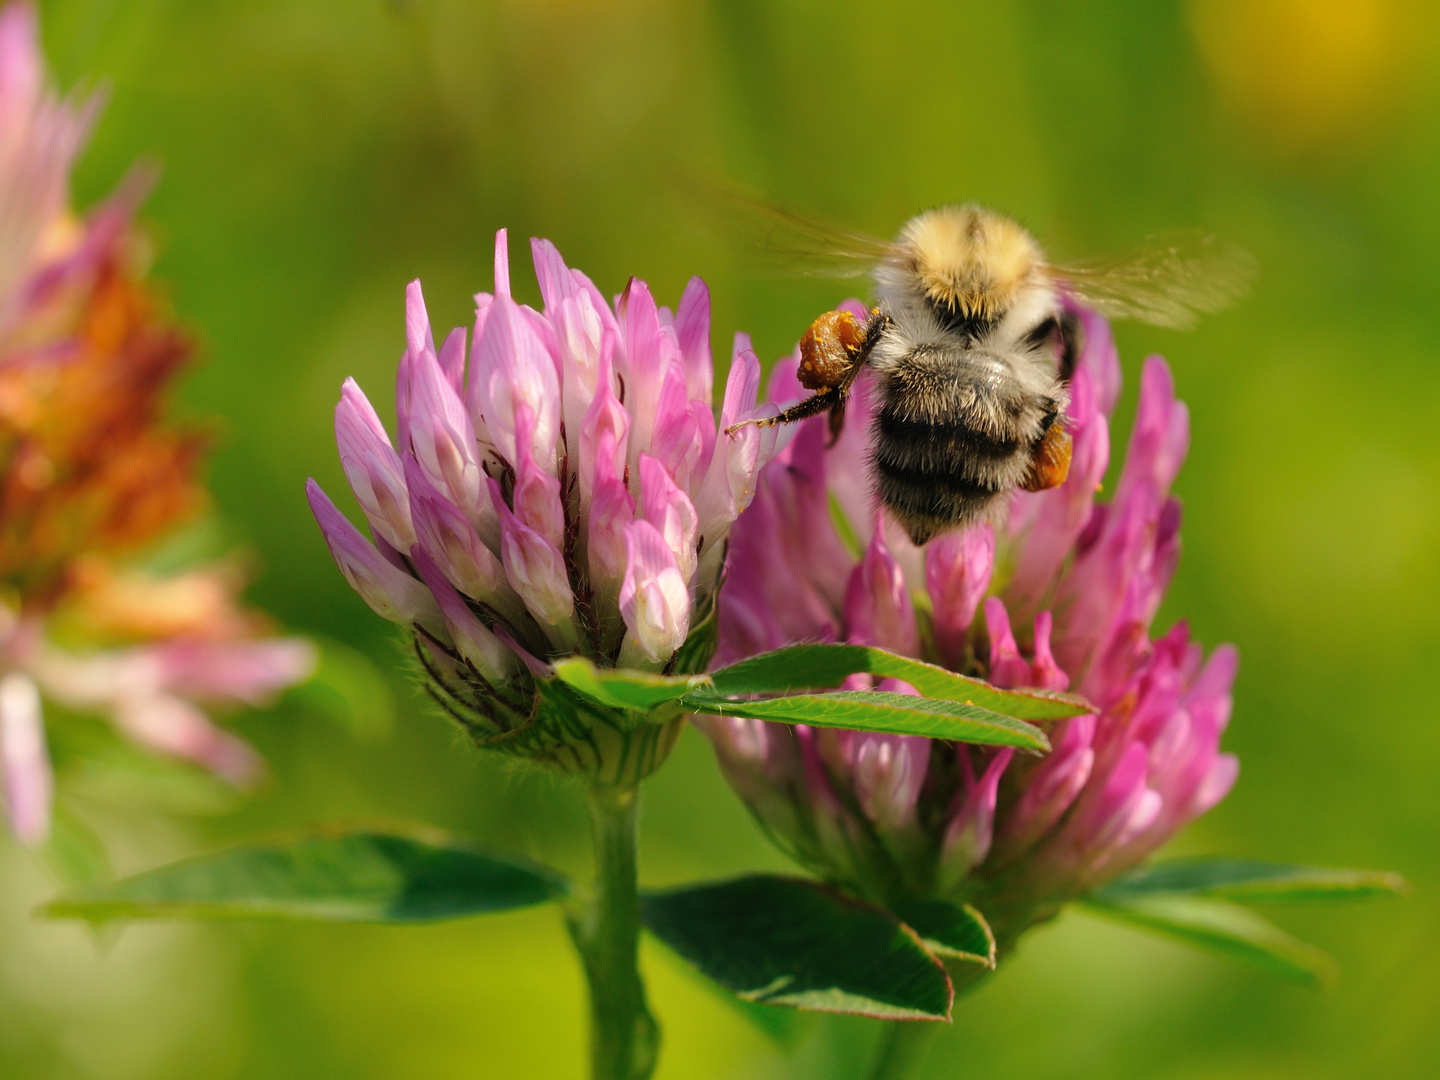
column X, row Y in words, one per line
column 1062, row 596
column 557, row 488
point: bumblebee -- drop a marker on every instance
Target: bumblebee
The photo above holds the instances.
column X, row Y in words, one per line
column 972, row 346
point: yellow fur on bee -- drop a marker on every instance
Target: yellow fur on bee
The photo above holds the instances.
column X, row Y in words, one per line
column 971, row 259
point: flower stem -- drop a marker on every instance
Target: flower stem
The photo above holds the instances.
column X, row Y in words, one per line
column 624, row 1039
column 903, row 1046
column 902, row 1049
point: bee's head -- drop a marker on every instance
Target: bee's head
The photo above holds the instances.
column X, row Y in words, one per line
column 969, row 263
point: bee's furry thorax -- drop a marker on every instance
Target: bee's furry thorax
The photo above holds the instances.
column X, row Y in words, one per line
column 969, row 260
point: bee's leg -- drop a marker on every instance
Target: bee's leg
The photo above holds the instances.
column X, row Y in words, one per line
column 871, row 332
column 837, row 419
column 1072, row 340
column 820, row 402
column 876, row 324
column 832, row 352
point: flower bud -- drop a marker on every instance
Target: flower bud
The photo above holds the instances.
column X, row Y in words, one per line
column 442, row 437
column 373, row 468
column 536, row 571
column 957, row 573
column 654, row 600
column 391, row 593
column 479, row 646
column 877, row 601
column 512, row 367
column 664, row 505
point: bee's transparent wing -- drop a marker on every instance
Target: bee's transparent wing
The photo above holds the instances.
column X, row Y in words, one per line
column 780, row 239
column 1170, row 282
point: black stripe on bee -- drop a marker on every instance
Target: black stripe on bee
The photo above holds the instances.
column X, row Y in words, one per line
column 928, row 502
column 1052, row 413
column 971, row 327
column 937, row 447
column 1043, row 334
column 1072, row 340
column 945, row 486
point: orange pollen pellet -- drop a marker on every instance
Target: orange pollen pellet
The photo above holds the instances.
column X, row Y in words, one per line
column 1051, row 463
column 828, row 350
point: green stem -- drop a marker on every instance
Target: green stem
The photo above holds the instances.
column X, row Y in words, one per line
column 904, row 1045
column 624, row 1039
column 903, row 1048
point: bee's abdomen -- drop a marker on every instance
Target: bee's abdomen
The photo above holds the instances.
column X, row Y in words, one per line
column 939, row 448
column 935, row 477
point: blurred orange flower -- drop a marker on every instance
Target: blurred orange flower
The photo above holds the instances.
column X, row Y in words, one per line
column 88, row 463
column 91, row 470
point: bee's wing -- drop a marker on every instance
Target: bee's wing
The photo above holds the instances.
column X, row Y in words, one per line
column 781, row 239
column 1170, row 282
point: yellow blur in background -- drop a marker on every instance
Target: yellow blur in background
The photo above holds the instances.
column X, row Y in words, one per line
column 1317, row 75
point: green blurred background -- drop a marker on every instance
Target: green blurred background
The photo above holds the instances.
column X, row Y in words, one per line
column 318, row 155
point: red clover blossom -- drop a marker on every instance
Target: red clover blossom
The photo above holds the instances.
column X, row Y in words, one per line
column 1063, row 597
column 562, row 493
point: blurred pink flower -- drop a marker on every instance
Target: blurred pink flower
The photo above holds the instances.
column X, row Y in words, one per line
column 39, row 138
column 563, row 493
column 89, row 469
column 29, row 780
column 154, row 692
column 1063, row 597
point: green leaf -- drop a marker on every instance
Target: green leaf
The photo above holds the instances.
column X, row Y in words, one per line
column 947, row 929
column 819, row 667
column 1226, row 929
column 787, row 941
column 622, row 688
column 73, row 852
column 337, row 877
column 875, row 710
column 1250, row 880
